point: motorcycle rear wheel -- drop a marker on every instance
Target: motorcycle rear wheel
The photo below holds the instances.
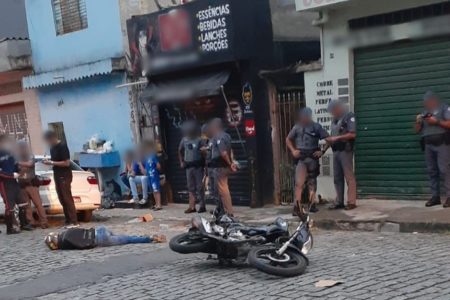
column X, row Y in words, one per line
column 190, row 243
column 291, row 263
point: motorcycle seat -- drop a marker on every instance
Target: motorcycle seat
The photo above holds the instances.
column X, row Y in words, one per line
column 265, row 230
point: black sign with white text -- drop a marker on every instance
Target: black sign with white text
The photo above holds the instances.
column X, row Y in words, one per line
column 195, row 34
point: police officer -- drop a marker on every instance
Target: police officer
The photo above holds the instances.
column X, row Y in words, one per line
column 343, row 134
column 10, row 189
column 434, row 126
column 222, row 164
column 303, row 142
column 191, row 160
column 206, row 150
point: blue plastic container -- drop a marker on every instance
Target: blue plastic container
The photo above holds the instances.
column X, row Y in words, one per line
column 97, row 160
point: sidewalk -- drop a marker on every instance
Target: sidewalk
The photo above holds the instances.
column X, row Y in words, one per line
column 371, row 215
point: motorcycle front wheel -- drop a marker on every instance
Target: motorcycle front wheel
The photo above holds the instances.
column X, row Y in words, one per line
column 291, row 263
column 190, row 243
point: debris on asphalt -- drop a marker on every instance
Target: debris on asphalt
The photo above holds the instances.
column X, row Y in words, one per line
column 144, row 218
column 327, row 283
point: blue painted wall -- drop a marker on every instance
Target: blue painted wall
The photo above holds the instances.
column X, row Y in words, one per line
column 88, row 107
column 102, row 39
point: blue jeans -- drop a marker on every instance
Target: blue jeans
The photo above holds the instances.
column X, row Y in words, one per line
column 105, row 238
column 143, row 181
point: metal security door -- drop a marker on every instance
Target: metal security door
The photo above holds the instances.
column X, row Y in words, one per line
column 288, row 103
column 389, row 85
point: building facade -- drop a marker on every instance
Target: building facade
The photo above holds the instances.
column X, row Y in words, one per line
column 19, row 109
column 211, row 68
column 381, row 57
column 78, row 63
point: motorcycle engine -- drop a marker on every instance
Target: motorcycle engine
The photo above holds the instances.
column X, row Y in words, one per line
column 236, row 234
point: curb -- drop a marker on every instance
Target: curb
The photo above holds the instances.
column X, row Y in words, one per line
column 382, row 226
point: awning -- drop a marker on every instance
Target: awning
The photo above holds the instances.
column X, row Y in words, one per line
column 206, row 84
column 102, row 67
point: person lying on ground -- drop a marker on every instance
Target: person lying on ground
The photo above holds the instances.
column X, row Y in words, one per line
column 80, row 239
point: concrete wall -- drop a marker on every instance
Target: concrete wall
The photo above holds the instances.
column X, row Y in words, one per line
column 31, row 103
column 100, row 40
column 88, row 107
column 322, row 85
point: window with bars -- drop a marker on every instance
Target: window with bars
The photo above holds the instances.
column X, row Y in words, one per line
column 69, row 15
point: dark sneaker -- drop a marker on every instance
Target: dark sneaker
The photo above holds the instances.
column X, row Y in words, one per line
column 313, row 208
column 12, row 231
column 350, row 206
column 202, row 210
column 447, row 203
column 27, row 227
column 44, row 226
column 190, row 211
column 337, row 206
column 433, row 202
column 156, row 208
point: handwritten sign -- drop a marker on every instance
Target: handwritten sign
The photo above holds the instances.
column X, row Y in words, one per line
column 324, row 92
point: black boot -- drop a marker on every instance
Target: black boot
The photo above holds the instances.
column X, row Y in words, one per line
column 433, row 202
column 24, row 225
column 447, row 203
column 9, row 221
column 313, row 208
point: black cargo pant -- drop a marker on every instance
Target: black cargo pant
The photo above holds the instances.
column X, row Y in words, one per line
column 12, row 195
column 63, row 187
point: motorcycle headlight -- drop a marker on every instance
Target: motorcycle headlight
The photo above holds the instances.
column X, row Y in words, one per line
column 206, row 226
column 307, row 246
column 201, row 224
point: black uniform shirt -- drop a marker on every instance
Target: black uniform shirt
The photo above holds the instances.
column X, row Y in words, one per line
column 8, row 164
column 60, row 152
column 77, row 239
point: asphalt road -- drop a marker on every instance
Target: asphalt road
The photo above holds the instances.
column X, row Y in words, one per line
column 370, row 265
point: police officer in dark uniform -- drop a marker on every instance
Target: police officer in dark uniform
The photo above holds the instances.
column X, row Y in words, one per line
column 191, row 160
column 434, row 126
column 222, row 165
column 343, row 134
column 10, row 188
column 303, row 142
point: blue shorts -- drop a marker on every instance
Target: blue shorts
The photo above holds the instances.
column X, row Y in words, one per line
column 155, row 183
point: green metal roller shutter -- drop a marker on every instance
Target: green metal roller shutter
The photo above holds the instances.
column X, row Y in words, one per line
column 389, row 84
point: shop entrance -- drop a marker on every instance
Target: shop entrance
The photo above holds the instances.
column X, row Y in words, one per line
column 202, row 110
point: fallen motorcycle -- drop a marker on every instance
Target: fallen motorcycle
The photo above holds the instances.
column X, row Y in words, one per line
column 269, row 248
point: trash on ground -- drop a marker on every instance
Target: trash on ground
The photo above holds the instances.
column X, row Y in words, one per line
column 144, row 218
column 327, row 283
